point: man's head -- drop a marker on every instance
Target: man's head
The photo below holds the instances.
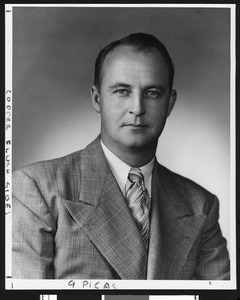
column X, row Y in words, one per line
column 137, row 42
column 133, row 93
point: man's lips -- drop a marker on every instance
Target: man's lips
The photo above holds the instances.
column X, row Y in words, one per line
column 135, row 125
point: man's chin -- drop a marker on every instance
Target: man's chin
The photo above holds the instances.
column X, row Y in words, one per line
column 138, row 144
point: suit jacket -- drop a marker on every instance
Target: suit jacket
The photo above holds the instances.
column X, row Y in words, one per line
column 70, row 220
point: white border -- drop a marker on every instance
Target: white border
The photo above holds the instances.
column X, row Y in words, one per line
column 126, row 5
column 8, row 137
column 79, row 284
column 232, row 175
column 121, row 284
column 164, row 297
column 174, row 297
column 48, row 297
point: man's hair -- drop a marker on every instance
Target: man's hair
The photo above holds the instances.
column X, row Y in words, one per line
column 138, row 42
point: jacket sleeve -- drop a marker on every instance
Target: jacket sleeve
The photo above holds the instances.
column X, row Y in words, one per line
column 213, row 262
column 32, row 231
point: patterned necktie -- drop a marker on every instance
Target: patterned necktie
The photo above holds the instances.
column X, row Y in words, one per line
column 139, row 202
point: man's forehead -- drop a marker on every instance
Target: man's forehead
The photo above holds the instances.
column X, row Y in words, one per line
column 123, row 54
column 126, row 66
column 128, row 51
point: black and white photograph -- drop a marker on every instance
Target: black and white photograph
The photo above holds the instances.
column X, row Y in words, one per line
column 122, row 146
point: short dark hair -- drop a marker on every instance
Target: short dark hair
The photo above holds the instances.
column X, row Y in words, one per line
column 139, row 42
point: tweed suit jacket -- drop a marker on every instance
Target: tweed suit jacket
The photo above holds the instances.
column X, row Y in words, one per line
column 70, row 220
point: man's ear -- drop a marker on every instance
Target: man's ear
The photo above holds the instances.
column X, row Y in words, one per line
column 171, row 102
column 95, row 97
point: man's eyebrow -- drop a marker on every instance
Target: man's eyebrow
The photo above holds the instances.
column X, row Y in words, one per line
column 125, row 85
column 158, row 87
column 119, row 84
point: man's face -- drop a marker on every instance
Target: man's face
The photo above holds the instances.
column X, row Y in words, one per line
column 134, row 100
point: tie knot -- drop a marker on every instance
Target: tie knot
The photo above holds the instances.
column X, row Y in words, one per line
column 135, row 175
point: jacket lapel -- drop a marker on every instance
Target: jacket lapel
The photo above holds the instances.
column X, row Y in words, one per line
column 172, row 231
column 103, row 215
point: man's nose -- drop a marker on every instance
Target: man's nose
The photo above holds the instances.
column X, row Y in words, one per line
column 137, row 106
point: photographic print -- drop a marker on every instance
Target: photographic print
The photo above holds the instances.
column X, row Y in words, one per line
column 122, row 138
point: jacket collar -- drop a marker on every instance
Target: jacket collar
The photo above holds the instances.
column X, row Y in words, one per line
column 173, row 227
column 103, row 214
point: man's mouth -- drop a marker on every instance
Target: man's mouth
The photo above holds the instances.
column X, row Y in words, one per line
column 135, row 125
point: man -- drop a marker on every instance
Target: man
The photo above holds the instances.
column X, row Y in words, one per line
column 111, row 211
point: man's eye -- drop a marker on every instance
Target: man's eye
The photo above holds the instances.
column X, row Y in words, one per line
column 122, row 92
column 152, row 94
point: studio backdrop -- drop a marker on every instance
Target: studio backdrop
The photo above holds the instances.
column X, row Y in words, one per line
column 54, row 52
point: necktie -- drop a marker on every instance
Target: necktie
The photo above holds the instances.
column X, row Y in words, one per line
column 139, row 202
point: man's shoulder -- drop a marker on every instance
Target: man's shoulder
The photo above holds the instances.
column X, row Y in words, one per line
column 186, row 191
column 48, row 167
column 181, row 181
column 47, row 170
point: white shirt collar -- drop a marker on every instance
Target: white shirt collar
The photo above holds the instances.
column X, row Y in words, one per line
column 120, row 170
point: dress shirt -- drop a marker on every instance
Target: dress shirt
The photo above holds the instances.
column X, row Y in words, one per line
column 121, row 170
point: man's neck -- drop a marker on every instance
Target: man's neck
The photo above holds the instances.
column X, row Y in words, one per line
column 134, row 157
